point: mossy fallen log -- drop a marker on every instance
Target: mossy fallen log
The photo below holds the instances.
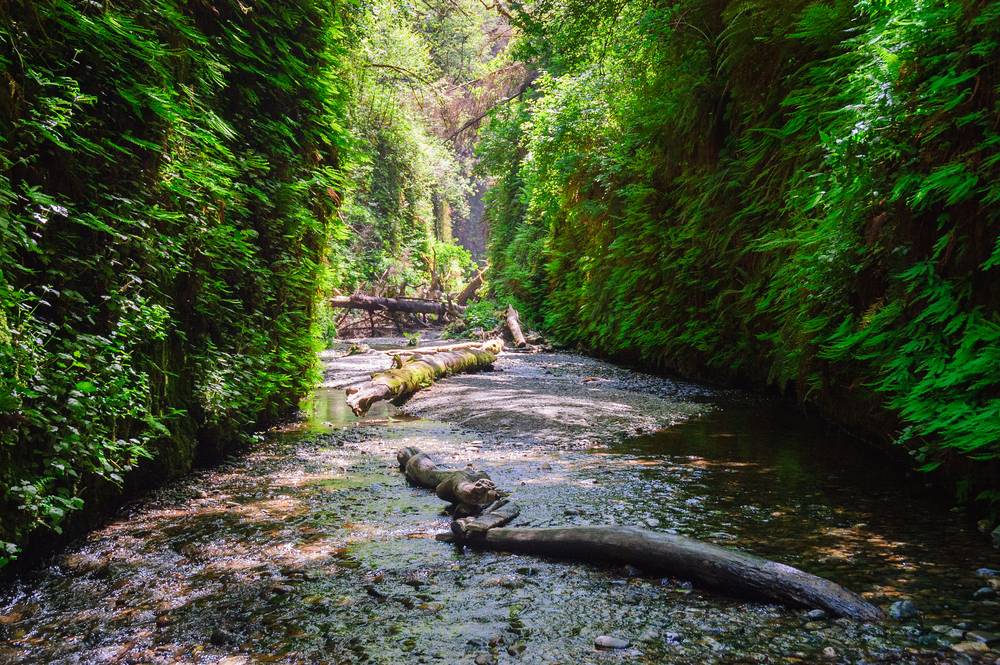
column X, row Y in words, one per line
column 410, row 373
column 711, row 566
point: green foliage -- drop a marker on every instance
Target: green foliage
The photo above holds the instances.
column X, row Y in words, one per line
column 795, row 193
column 168, row 190
column 405, row 181
column 480, row 315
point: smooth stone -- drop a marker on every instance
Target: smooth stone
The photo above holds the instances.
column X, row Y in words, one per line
column 222, row 637
column 902, row 610
column 982, row 636
column 969, row 647
column 987, row 572
column 483, row 659
column 956, row 633
column 609, row 642
column 652, row 522
column 829, row 652
column 984, row 592
column 815, row 615
column 814, row 625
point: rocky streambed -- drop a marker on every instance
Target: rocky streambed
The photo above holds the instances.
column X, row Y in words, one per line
column 310, row 547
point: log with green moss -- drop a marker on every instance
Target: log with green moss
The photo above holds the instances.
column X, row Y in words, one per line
column 411, row 373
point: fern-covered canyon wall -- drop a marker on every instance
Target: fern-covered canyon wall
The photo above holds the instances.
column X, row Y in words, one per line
column 800, row 195
column 169, row 177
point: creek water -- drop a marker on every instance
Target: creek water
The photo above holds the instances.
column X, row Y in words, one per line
column 310, row 548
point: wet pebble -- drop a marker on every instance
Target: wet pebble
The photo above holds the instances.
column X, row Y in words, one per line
column 902, row 610
column 984, row 592
column 969, row 647
column 484, row 659
column 815, row 615
column 652, row 522
column 221, row 637
column 987, row 572
column 610, row 642
column 829, row 652
column 983, row 636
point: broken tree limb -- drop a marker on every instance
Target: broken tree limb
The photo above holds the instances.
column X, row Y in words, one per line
column 411, row 373
column 471, row 288
column 404, row 305
column 514, row 325
column 711, row 566
column 466, row 487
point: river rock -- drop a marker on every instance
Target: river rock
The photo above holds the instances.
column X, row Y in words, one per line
column 815, row 615
column 995, row 537
column 984, row 593
column 902, row 610
column 982, row 636
column 829, row 652
column 652, row 522
column 609, row 642
column 969, row 647
column 987, row 572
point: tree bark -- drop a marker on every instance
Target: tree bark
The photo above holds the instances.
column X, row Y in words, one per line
column 471, row 288
column 405, row 305
column 711, row 566
column 466, row 487
column 411, row 373
column 514, row 325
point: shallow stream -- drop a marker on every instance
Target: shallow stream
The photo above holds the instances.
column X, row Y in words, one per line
column 311, row 548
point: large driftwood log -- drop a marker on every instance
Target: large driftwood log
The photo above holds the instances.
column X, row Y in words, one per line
column 466, row 487
column 411, row 373
column 719, row 568
column 471, row 288
column 404, row 305
column 711, row 566
column 514, row 325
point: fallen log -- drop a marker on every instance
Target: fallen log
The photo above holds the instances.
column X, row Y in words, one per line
column 714, row 567
column 466, row 487
column 514, row 325
column 404, row 305
column 433, row 349
column 411, row 373
column 711, row 566
column 471, row 288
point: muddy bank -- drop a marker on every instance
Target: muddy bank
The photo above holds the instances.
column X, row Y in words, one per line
column 312, row 548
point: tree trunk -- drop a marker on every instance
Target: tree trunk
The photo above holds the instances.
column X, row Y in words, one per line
column 711, row 566
column 514, row 325
column 471, row 288
column 405, row 305
column 411, row 373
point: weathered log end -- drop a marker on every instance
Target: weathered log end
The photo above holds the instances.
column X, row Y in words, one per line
column 466, row 488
